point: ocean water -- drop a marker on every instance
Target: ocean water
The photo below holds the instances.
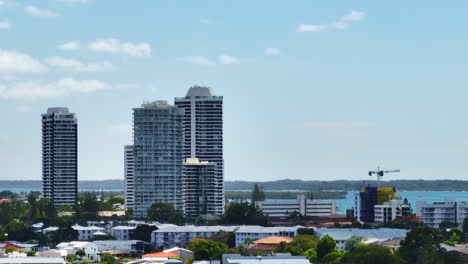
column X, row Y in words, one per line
column 342, row 204
column 27, row 190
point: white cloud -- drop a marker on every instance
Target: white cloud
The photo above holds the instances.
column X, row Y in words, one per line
column 197, row 60
column 124, row 128
column 76, row 65
column 337, row 125
column 353, row 16
column 341, row 24
column 272, row 51
column 4, row 24
column 227, row 59
column 110, row 45
column 35, row 11
column 11, row 61
column 72, row 45
column 37, row 90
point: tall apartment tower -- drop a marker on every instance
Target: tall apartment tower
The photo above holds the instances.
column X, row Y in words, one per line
column 60, row 156
column 129, row 180
column 203, row 135
column 157, row 156
column 200, row 189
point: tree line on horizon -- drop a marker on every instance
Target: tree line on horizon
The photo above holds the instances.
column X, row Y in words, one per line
column 286, row 184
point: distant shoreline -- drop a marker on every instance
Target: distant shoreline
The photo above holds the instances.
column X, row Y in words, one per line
column 280, row 185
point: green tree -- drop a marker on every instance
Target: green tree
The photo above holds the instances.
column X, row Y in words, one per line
column 371, row 255
column 3, row 237
column 31, row 253
column 18, row 231
column 302, row 243
column 87, row 208
column 282, row 247
column 465, row 229
column 447, row 225
column 142, row 232
column 352, row 242
column 421, row 244
column 257, row 194
column 224, row 237
column 65, row 231
column 311, row 255
column 165, row 213
column 243, row 214
column 10, row 211
column 333, row 257
column 325, row 246
column 80, row 253
column 453, row 257
column 10, row 250
column 7, row 194
column 207, row 249
column 305, row 231
column 109, row 259
column 129, row 214
column 248, row 241
column 71, row 258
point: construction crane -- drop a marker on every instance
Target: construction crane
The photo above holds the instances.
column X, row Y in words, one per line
column 380, row 173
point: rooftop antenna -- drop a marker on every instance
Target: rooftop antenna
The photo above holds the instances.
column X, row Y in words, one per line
column 380, row 173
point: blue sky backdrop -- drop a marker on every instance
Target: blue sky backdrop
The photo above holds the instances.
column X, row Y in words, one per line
column 313, row 90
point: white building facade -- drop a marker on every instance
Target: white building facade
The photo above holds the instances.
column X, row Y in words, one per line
column 88, row 232
column 203, row 135
column 129, row 180
column 122, row 232
column 389, row 211
column 259, row 232
column 180, row 236
column 302, row 205
column 91, row 249
column 432, row 214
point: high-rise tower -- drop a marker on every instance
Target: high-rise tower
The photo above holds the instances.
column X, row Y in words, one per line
column 60, row 156
column 128, row 176
column 157, row 156
column 203, row 135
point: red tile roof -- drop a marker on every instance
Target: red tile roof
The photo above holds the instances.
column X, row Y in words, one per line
column 160, row 255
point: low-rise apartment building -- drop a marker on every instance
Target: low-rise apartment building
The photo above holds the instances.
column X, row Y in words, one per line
column 122, row 232
column 389, row 211
column 302, row 205
column 432, row 214
column 88, row 232
column 180, row 236
column 259, row 232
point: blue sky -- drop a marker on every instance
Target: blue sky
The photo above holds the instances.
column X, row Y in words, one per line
column 313, row 90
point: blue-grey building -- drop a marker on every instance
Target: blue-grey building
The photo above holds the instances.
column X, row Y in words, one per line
column 203, row 136
column 60, row 156
column 157, row 156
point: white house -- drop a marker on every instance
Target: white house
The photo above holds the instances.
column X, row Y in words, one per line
column 88, row 232
column 90, row 248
